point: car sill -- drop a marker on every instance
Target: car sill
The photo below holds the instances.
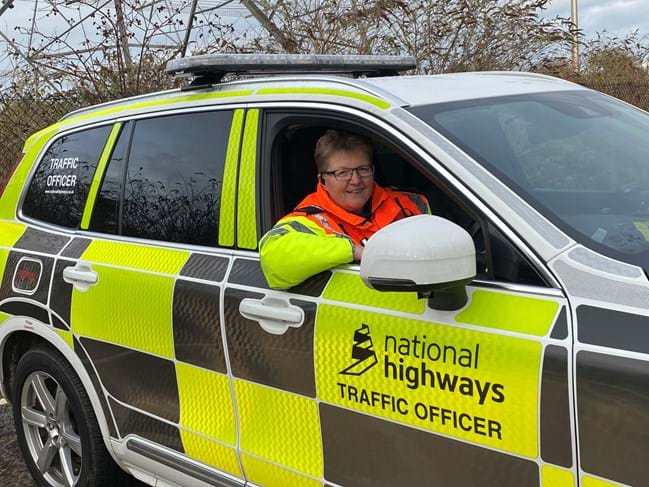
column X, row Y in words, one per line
column 181, row 464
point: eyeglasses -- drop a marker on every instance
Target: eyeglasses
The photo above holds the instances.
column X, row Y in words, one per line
column 346, row 174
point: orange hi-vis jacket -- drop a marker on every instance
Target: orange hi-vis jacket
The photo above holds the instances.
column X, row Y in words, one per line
column 319, row 234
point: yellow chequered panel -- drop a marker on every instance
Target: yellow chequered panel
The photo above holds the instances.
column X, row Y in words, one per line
column 247, row 207
column 142, row 257
column 10, row 233
column 206, row 402
column 128, row 308
column 552, row 476
column 593, row 482
column 349, row 288
column 266, row 474
column 472, row 385
column 31, row 149
column 67, row 336
column 279, row 426
column 211, row 453
column 4, row 317
column 522, row 314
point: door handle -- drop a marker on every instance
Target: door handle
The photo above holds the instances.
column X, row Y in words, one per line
column 274, row 315
column 81, row 276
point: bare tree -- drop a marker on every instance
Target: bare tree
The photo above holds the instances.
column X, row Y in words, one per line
column 111, row 48
column 443, row 35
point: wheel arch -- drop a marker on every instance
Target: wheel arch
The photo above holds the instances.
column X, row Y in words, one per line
column 18, row 336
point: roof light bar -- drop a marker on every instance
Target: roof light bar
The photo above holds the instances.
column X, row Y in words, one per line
column 215, row 66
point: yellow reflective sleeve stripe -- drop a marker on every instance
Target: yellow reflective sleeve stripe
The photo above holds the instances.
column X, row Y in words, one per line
column 532, row 316
column 348, row 288
column 99, row 175
column 67, row 336
column 556, row 477
column 328, row 92
column 206, row 402
column 264, row 473
column 142, row 257
column 289, row 256
column 228, row 192
column 3, row 317
column 127, row 308
column 11, row 195
column 281, row 427
column 211, row 453
column 246, row 206
column 10, row 233
column 593, row 482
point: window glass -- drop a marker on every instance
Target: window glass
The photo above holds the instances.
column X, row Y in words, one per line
column 57, row 193
column 105, row 216
column 294, row 172
column 174, row 177
column 579, row 157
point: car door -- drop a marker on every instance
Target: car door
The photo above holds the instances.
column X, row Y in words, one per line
column 146, row 279
column 374, row 388
column 53, row 205
column 271, row 359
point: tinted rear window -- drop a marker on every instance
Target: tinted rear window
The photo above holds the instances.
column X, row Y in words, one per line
column 173, row 182
column 58, row 191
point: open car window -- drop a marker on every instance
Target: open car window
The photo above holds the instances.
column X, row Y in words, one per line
column 291, row 175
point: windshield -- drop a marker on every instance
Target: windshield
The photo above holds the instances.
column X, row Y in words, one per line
column 579, row 157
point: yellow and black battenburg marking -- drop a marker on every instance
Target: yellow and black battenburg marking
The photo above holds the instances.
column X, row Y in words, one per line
column 612, row 406
column 186, row 403
column 611, row 393
column 326, row 386
column 440, row 378
column 476, row 384
column 26, row 275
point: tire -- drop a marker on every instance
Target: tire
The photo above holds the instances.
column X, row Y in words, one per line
column 56, row 426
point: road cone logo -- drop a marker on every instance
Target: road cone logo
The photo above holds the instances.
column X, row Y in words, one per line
column 363, row 353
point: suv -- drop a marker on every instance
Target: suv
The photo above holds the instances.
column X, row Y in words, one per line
column 503, row 341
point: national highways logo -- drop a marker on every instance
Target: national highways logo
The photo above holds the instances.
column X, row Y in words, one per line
column 363, row 355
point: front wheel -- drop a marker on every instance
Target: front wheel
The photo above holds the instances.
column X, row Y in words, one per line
column 57, row 430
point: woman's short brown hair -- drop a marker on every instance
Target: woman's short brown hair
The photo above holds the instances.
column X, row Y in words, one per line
column 336, row 141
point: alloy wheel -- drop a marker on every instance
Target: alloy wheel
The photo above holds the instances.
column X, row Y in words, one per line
column 51, row 430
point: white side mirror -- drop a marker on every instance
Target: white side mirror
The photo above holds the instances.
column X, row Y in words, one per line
column 422, row 253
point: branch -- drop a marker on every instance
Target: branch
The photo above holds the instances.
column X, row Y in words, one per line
column 289, row 45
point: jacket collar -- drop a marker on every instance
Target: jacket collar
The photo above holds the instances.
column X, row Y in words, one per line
column 325, row 202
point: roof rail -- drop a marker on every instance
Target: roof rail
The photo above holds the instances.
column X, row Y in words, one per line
column 211, row 68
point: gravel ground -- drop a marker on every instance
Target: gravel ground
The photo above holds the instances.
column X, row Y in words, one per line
column 12, row 466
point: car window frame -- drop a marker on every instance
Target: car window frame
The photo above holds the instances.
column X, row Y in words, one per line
column 125, row 120
column 36, row 164
column 427, row 163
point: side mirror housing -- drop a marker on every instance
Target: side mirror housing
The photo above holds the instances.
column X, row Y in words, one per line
column 425, row 254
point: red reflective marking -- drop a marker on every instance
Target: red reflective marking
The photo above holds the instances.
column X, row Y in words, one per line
column 26, row 275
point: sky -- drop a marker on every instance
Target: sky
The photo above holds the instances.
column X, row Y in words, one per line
column 615, row 16
column 618, row 17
